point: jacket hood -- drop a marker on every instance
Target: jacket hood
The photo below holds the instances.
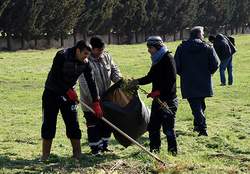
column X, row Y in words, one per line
column 193, row 45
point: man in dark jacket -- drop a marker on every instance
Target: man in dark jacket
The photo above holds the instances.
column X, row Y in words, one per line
column 225, row 50
column 162, row 75
column 59, row 94
column 196, row 61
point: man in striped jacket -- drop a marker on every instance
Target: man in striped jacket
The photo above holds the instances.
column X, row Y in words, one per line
column 105, row 72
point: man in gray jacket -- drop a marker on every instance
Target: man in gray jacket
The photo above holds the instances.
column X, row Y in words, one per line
column 105, row 72
column 196, row 61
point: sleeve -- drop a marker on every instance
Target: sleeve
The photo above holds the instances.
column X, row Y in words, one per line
column 89, row 76
column 146, row 79
column 177, row 60
column 213, row 60
column 57, row 74
column 115, row 72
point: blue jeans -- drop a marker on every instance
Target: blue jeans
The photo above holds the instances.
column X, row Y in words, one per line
column 198, row 107
column 226, row 64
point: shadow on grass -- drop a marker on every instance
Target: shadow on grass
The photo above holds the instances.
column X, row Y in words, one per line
column 54, row 164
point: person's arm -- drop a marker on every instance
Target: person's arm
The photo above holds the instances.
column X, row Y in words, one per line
column 89, row 76
column 213, row 60
column 146, row 79
column 177, row 57
column 57, row 74
column 115, row 72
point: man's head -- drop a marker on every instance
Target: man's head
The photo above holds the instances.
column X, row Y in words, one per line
column 154, row 43
column 211, row 38
column 197, row 32
column 98, row 46
column 83, row 50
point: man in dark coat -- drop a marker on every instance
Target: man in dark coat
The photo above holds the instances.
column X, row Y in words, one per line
column 225, row 50
column 59, row 94
column 162, row 75
column 196, row 61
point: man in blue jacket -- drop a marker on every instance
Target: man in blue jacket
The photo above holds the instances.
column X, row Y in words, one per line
column 196, row 61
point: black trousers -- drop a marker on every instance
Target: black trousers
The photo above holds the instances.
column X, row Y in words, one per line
column 98, row 131
column 160, row 118
column 198, row 107
column 51, row 104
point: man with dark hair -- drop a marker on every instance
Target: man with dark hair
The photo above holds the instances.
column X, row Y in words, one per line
column 105, row 72
column 225, row 50
column 162, row 75
column 59, row 94
column 196, row 61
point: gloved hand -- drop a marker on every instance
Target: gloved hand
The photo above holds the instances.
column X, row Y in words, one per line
column 154, row 94
column 132, row 84
column 97, row 108
column 72, row 95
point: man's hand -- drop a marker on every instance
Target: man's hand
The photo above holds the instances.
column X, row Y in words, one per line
column 154, row 94
column 133, row 84
column 72, row 95
column 97, row 108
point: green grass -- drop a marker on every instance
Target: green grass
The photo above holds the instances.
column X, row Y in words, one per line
column 226, row 150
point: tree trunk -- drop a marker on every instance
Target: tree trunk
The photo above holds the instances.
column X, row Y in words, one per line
column 243, row 29
column 174, row 36
column 22, row 42
column 232, row 30
column 48, row 42
column 237, row 29
column 225, row 30
column 136, row 37
column 181, row 34
column 85, row 36
column 9, row 47
column 109, row 37
column 164, row 37
column 62, row 41
column 119, row 38
column 36, row 43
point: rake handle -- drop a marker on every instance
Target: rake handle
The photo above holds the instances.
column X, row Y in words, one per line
column 125, row 135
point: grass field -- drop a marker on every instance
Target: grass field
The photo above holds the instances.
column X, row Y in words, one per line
column 225, row 150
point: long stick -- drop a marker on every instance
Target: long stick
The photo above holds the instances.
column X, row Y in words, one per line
column 124, row 134
column 163, row 105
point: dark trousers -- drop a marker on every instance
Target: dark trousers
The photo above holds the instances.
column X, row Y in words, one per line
column 98, row 132
column 160, row 118
column 198, row 107
column 51, row 104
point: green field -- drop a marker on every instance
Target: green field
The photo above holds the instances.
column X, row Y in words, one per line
column 226, row 150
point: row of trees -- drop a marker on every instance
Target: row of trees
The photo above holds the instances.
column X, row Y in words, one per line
column 33, row 19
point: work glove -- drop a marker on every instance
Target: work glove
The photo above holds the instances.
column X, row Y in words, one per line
column 72, row 95
column 133, row 84
column 154, row 94
column 97, row 108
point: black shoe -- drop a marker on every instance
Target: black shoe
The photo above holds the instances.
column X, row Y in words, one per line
column 222, row 84
column 96, row 153
column 203, row 133
column 155, row 150
column 196, row 129
column 103, row 150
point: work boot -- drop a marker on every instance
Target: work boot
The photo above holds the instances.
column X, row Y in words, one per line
column 46, row 147
column 203, row 133
column 76, row 146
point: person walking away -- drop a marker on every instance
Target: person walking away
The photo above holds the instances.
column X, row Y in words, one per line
column 196, row 61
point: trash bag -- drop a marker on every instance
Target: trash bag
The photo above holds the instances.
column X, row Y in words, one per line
column 126, row 111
